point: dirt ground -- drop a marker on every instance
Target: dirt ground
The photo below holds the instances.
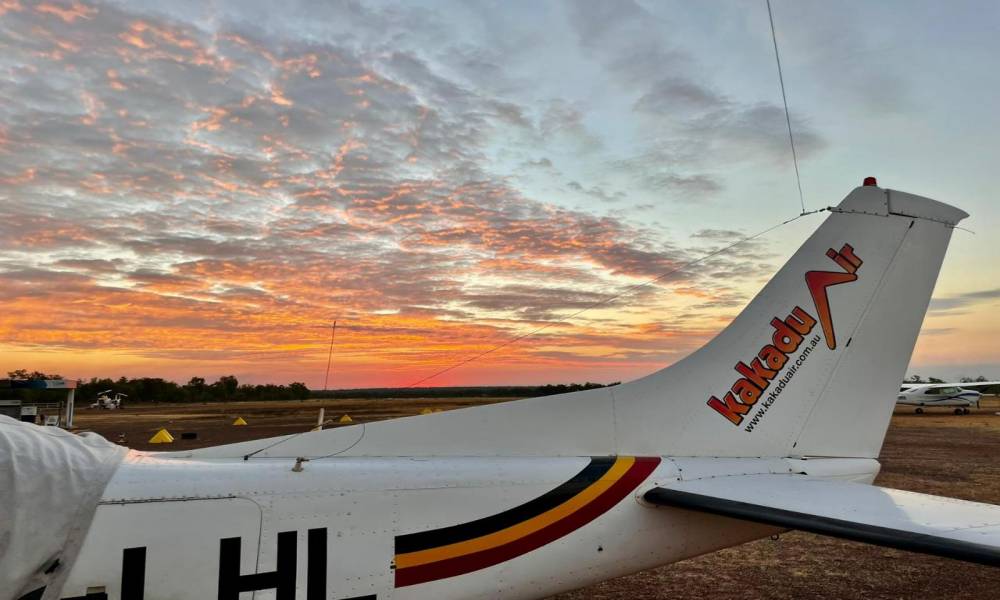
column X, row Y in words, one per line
column 935, row 453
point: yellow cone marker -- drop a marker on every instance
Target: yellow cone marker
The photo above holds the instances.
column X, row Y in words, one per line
column 346, row 419
column 162, row 437
column 239, row 421
column 426, row 411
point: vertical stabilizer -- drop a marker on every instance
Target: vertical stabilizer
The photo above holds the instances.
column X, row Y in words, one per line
column 812, row 365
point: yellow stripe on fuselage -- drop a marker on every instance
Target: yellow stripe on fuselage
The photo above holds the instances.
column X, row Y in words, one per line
column 514, row 532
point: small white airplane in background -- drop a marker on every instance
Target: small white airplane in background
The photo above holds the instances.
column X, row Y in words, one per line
column 775, row 424
column 930, row 395
column 106, row 402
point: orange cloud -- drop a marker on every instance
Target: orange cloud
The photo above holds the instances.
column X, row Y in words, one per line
column 113, row 80
column 241, row 193
column 10, row 6
column 278, row 97
column 26, row 176
column 77, row 10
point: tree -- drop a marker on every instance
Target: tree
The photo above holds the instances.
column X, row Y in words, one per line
column 31, row 376
column 196, row 390
column 934, row 380
column 225, row 388
column 299, row 390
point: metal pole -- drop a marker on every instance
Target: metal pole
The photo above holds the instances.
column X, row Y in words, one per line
column 70, row 399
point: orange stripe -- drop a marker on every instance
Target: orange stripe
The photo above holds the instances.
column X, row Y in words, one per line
column 475, row 561
column 514, row 532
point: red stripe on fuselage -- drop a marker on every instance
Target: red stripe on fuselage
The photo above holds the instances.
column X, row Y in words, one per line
column 460, row 565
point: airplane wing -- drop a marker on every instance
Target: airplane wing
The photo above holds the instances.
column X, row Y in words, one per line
column 966, row 385
column 974, row 384
column 936, row 525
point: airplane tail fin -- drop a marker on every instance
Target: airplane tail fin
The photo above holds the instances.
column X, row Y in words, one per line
column 811, row 367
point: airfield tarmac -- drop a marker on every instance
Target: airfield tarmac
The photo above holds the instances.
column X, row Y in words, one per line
column 935, row 453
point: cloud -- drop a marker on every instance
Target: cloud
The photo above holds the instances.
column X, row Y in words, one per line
column 186, row 188
column 541, row 163
column 694, row 129
column 597, row 192
column 955, row 304
column 937, row 331
column 718, row 235
column 858, row 63
column 690, row 187
column 678, row 96
column 562, row 121
column 732, row 133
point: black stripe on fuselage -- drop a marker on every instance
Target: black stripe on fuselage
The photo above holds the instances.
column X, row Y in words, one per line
column 414, row 542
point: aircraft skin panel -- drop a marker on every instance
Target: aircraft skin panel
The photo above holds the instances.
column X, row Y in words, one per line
column 956, row 400
column 926, row 395
column 855, row 405
column 968, row 531
column 758, row 381
column 165, row 546
column 577, row 424
column 460, row 549
column 385, row 528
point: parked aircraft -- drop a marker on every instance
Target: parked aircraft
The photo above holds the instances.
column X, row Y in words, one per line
column 775, row 424
column 107, row 402
column 930, row 395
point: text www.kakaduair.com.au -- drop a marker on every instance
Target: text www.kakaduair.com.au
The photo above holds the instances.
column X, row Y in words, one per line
column 773, row 396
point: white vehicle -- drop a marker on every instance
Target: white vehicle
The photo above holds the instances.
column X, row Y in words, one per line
column 106, row 401
column 930, row 395
column 775, row 424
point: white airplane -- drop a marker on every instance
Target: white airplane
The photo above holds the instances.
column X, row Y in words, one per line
column 929, row 395
column 775, row 424
column 107, row 402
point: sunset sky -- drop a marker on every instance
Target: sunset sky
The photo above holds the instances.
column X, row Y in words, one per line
column 200, row 188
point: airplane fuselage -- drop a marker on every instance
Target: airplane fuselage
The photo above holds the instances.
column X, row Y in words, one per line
column 434, row 528
column 950, row 397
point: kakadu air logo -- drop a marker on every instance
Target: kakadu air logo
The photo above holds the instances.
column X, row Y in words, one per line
column 789, row 334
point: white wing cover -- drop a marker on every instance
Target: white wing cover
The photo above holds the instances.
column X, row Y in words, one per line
column 887, row 517
column 50, row 483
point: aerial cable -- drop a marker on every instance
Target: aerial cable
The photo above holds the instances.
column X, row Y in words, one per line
column 630, row 289
column 784, row 100
column 626, row 291
column 609, row 299
column 329, row 356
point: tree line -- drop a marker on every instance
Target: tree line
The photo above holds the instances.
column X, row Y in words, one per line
column 490, row 391
column 229, row 389
column 156, row 389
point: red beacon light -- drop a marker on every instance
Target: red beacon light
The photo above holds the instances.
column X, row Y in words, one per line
column 870, row 181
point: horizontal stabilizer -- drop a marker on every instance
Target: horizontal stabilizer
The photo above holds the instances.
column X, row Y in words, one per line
column 958, row 529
